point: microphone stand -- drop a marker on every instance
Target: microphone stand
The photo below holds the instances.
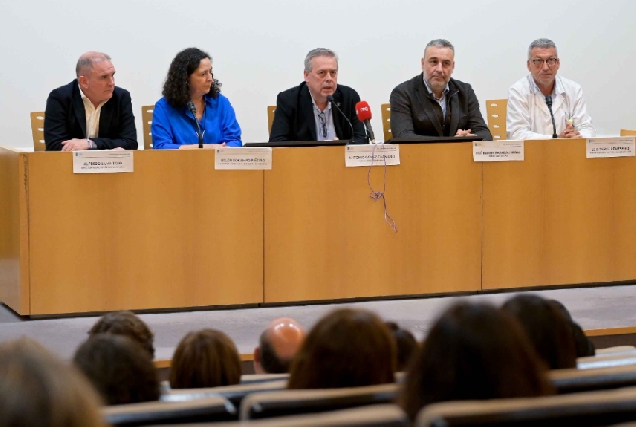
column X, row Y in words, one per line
column 548, row 101
column 330, row 99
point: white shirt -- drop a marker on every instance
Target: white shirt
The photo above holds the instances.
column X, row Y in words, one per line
column 528, row 116
column 92, row 116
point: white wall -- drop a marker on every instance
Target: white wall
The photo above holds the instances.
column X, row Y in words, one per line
column 259, row 46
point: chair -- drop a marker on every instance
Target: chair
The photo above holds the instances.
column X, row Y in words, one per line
column 611, row 360
column 619, row 349
column 385, row 109
column 270, row 117
column 233, row 393
column 581, row 409
column 496, row 111
column 628, row 132
column 261, row 378
column 566, row 381
column 37, row 129
column 146, row 119
column 382, row 415
column 296, row 402
column 148, row 413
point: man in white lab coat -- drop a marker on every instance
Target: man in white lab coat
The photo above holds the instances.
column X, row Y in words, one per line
column 543, row 105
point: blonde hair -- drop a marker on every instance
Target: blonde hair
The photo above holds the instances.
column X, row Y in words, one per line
column 38, row 389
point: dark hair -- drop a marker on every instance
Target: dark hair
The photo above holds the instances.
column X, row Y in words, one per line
column 37, row 389
column 548, row 329
column 270, row 361
column 128, row 324
column 473, row 352
column 346, row 348
column 176, row 88
column 118, row 368
column 583, row 345
column 405, row 343
column 205, row 358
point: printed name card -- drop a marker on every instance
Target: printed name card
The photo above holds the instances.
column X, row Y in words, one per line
column 372, row 155
column 93, row 161
column 609, row 147
column 498, row 151
column 243, row 158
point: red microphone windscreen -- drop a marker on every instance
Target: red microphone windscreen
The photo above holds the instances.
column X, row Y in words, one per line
column 363, row 111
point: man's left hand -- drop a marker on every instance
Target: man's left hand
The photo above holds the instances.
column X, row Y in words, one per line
column 462, row 132
column 75, row 144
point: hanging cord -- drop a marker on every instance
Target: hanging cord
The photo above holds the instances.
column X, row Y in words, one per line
column 376, row 195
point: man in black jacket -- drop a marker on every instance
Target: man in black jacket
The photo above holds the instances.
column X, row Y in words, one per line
column 433, row 104
column 90, row 112
column 303, row 112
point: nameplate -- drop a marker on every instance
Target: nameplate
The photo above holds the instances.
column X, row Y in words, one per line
column 93, row 161
column 498, row 151
column 243, row 158
column 372, row 155
column 609, row 147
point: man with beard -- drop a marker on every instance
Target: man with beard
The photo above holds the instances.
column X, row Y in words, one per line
column 528, row 115
column 90, row 112
column 303, row 113
column 433, row 104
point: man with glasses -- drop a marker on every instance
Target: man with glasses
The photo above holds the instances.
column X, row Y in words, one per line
column 539, row 97
column 432, row 104
column 303, row 113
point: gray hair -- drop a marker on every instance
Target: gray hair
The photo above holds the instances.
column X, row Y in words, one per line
column 86, row 61
column 318, row 52
column 439, row 43
column 541, row 44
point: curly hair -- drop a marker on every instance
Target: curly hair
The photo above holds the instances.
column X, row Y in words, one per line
column 176, row 88
column 125, row 323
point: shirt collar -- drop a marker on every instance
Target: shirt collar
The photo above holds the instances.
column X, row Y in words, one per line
column 313, row 102
column 558, row 86
column 444, row 93
column 85, row 99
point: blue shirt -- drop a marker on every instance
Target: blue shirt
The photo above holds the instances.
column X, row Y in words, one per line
column 173, row 127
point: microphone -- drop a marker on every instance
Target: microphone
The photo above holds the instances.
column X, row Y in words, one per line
column 330, row 99
column 193, row 110
column 548, row 101
column 364, row 115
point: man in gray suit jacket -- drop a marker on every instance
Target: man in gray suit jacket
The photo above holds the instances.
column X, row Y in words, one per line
column 433, row 104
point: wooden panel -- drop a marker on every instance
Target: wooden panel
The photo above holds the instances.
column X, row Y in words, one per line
column 496, row 110
column 175, row 233
column 325, row 238
column 558, row 218
column 14, row 290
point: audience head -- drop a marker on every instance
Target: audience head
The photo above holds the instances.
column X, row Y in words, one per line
column 438, row 64
column 278, row 345
column 473, row 352
column 37, row 389
column 205, row 358
column 346, row 348
column 321, row 73
column 128, row 324
column 118, row 368
column 583, row 345
column 405, row 343
column 543, row 62
column 190, row 77
column 96, row 76
column 548, row 329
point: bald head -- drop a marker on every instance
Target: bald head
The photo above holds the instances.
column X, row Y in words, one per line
column 86, row 61
column 278, row 345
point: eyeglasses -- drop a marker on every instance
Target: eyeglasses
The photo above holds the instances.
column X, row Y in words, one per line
column 539, row 62
column 323, row 123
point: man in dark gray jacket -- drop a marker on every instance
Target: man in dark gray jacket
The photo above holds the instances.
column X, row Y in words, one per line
column 433, row 104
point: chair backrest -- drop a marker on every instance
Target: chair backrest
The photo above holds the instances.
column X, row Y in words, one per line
column 234, row 393
column 581, row 409
column 382, row 415
column 37, row 129
column 606, row 361
column 141, row 414
column 252, row 379
column 628, row 132
column 567, row 381
column 385, row 109
column 496, row 112
column 146, row 119
column 619, row 349
column 295, row 402
column 270, row 117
